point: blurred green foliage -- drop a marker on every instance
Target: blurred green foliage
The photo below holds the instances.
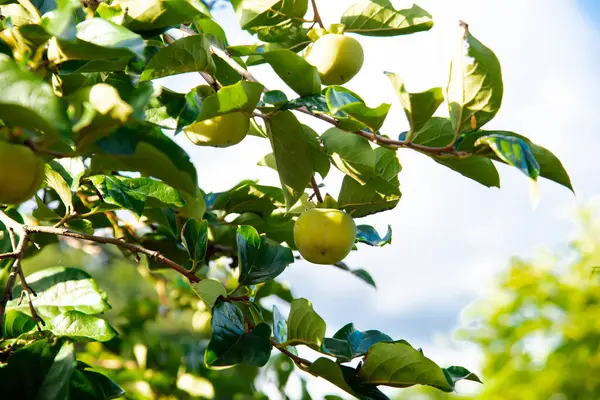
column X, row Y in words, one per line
column 539, row 332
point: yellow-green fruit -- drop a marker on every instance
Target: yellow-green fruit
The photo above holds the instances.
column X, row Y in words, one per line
column 222, row 131
column 21, row 173
column 324, row 235
column 338, row 58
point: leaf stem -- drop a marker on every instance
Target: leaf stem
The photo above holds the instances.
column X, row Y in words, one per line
column 302, row 363
column 317, row 17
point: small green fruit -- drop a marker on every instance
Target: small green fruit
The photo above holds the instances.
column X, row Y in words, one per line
column 21, row 173
column 222, row 131
column 338, row 58
column 324, row 235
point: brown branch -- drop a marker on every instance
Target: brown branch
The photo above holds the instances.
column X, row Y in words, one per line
column 14, row 272
column 317, row 17
column 299, row 361
column 316, row 190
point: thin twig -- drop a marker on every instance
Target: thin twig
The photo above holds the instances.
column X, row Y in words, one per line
column 14, row 271
column 316, row 190
column 299, row 361
column 317, row 17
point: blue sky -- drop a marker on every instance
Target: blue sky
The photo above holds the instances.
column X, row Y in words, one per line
column 451, row 236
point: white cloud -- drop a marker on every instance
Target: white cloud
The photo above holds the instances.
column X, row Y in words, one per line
column 450, row 235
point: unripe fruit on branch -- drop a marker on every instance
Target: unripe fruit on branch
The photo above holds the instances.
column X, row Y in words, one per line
column 221, row 131
column 324, row 235
column 338, row 58
column 21, row 173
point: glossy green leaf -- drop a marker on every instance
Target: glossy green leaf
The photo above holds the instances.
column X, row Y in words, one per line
column 352, row 112
column 242, row 96
column 387, row 164
column 91, row 385
column 259, row 261
column 418, row 107
column 71, row 169
column 248, row 196
column 380, row 18
column 512, row 151
column 27, row 101
column 320, row 159
column 55, row 181
column 360, row 273
column 475, row 88
column 230, row 344
column 135, row 194
column 56, row 380
column 400, row 365
column 248, row 11
column 61, row 289
column 456, row 373
column 17, row 14
column 80, row 225
column 107, row 34
column 81, row 326
column 350, row 153
column 80, row 56
column 16, row 323
column 60, row 22
column 172, row 110
column 305, row 326
column 292, row 155
column 375, row 196
column 280, row 329
column 295, row 71
column 368, row 235
column 190, row 54
column 194, row 236
column 152, row 15
column 349, row 343
column 345, row 378
column 209, row 291
column 146, row 149
column 550, row 166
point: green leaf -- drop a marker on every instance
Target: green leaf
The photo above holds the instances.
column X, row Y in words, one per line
column 146, row 149
column 380, row 18
column 107, row 34
column 438, row 132
column 71, row 169
column 190, row 54
column 81, row 326
column 350, row 153
column 153, row 15
column 91, row 385
column 305, row 326
column 248, row 11
column 320, row 159
column 248, row 196
column 56, row 380
column 230, row 344
column 375, row 196
column 292, row 155
column 194, row 236
column 550, row 166
column 172, row 110
column 60, row 22
column 280, row 327
column 400, row 365
column 242, row 96
column 387, row 164
column 61, row 289
column 135, row 194
column 512, row 151
column 367, row 234
column 348, row 343
column 55, row 181
column 40, row 370
column 455, row 374
column 81, row 225
column 345, row 378
column 80, row 56
column 259, row 261
column 209, row 291
column 352, row 112
column 27, row 101
column 360, row 273
column 295, row 71
column 475, row 88
column 16, row 323
column 418, row 107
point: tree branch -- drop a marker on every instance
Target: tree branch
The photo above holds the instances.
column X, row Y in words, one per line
column 299, row 361
column 14, row 272
column 316, row 190
column 317, row 17
column 373, row 137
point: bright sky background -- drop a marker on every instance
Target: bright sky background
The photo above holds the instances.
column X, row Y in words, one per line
column 451, row 235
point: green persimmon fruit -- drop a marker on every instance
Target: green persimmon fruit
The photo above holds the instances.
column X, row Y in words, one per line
column 338, row 58
column 21, row 173
column 221, row 131
column 324, row 235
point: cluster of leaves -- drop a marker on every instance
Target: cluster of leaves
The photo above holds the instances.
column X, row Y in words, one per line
column 77, row 88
